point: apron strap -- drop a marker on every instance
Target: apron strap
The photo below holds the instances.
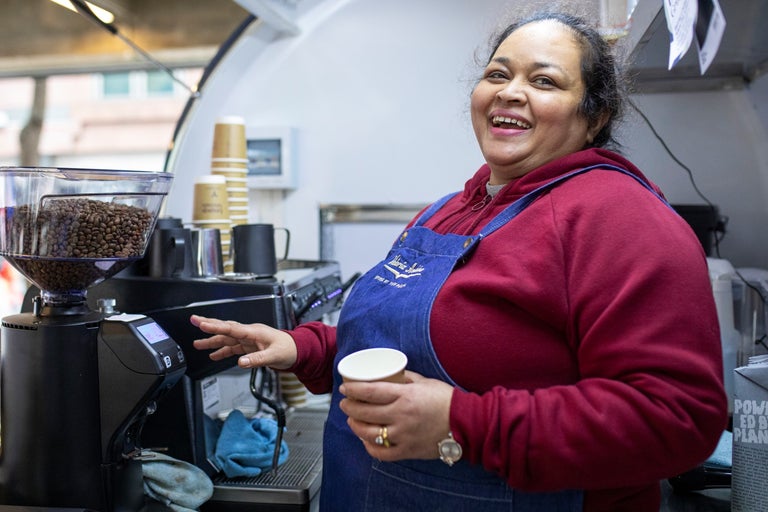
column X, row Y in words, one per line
column 521, row 204
column 430, row 211
column 518, row 206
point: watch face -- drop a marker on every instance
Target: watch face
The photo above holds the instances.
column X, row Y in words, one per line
column 450, row 450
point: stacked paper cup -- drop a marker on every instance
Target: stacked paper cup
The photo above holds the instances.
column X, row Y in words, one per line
column 211, row 206
column 293, row 391
column 229, row 159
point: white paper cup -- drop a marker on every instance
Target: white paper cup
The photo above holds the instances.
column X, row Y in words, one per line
column 374, row 364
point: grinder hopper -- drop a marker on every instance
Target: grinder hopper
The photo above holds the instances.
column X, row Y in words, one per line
column 67, row 229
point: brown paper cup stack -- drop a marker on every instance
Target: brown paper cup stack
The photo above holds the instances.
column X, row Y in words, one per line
column 237, row 194
column 293, row 391
column 237, row 197
column 210, row 198
column 229, row 160
column 229, row 171
column 229, row 139
column 211, row 207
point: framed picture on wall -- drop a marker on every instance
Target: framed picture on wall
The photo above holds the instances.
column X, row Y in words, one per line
column 270, row 157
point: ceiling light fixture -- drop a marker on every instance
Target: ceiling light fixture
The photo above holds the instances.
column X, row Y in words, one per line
column 102, row 14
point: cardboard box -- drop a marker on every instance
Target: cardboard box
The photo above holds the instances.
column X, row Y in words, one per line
column 749, row 486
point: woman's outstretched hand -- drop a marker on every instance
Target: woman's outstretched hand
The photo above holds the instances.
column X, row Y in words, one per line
column 256, row 344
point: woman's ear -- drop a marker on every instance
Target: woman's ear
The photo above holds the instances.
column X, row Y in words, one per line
column 595, row 128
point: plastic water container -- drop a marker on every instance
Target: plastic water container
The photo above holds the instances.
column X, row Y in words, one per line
column 722, row 276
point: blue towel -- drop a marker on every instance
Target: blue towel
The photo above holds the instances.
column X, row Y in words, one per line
column 723, row 454
column 246, row 447
column 178, row 485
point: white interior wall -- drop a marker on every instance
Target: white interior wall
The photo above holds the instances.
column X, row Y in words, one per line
column 721, row 137
column 377, row 93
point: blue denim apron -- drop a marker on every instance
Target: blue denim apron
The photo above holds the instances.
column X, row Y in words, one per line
column 390, row 306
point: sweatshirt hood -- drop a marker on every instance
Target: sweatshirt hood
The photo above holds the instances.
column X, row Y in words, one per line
column 474, row 189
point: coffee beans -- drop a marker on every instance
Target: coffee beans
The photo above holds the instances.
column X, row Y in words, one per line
column 71, row 243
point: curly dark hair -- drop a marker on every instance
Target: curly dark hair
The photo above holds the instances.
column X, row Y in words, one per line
column 604, row 83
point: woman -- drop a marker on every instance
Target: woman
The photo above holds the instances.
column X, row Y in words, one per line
column 557, row 315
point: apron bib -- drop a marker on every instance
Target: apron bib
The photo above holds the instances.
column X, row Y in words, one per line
column 390, row 306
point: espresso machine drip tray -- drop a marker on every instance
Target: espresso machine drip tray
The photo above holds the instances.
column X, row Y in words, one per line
column 297, row 482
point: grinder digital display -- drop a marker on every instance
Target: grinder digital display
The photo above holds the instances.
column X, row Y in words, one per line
column 153, row 333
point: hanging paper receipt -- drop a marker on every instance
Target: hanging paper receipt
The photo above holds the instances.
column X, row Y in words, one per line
column 710, row 25
column 688, row 18
column 681, row 19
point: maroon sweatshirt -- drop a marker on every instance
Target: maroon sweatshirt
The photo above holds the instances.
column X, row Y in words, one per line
column 583, row 335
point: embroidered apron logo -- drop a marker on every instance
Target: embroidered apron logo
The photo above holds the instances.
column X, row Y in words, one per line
column 400, row 270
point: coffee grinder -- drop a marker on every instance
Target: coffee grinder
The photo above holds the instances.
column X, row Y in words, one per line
column 76, row 384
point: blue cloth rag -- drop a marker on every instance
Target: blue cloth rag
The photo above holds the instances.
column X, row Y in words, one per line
column 246, row 447
column 723, row 454
column 179, row 485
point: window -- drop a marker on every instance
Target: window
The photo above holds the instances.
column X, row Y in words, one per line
column 137, row 84
column 116, row 84
column 159, row 83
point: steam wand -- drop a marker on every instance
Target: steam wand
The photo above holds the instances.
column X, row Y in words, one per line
column 279, row 412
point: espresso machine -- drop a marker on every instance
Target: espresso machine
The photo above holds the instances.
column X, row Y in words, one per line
column 77, row 382
column 300, row 291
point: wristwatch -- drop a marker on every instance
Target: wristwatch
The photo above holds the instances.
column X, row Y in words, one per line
column 450, row 450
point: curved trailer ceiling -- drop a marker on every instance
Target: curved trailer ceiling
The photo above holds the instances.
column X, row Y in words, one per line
column 40, row 38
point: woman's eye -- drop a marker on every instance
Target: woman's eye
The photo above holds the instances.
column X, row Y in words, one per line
column 495, row 75
column 543, row 80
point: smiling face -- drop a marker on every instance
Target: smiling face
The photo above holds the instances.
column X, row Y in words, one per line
column 525, row 109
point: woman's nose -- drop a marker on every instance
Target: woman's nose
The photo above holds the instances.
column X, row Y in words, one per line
column 512, row 91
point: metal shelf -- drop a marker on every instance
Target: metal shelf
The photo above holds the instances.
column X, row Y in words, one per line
column 741, row 58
